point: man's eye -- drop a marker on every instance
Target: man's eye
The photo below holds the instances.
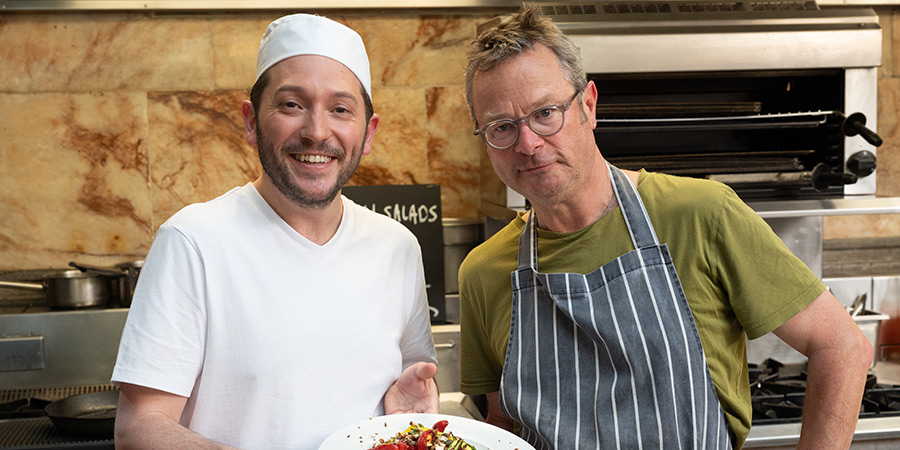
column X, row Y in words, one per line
column 502, row 127
column 544, row 113
column 291, row 104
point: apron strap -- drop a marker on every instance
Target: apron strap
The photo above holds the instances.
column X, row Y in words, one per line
column 528, row 244
column 636, row 217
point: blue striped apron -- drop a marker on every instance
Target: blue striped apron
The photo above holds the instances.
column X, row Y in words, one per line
column 611, row 359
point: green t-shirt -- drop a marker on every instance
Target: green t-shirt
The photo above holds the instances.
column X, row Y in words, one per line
column 738, row 277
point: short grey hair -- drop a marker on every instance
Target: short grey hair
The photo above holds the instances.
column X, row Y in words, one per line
column 514, row 36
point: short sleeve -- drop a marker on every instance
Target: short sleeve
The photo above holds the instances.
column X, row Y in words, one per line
column 765, row 282
column 164, row 336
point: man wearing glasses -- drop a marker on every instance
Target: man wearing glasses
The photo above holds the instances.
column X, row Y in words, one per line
column 584, row 342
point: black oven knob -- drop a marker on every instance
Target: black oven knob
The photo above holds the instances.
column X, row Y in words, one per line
column 861, row 163
column 823, row 177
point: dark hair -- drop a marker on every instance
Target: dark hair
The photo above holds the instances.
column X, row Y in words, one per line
column 515, row 35
column 263, row 81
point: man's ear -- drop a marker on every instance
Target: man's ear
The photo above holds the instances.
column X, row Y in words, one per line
column 371, row 127
column 590, row 102
column 249, row 122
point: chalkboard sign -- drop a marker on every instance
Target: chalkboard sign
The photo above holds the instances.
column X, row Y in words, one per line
column 418, row 206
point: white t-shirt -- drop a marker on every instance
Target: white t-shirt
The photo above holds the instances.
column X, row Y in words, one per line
column 277, row 341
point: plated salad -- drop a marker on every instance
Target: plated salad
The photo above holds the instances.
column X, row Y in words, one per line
column 420, row 437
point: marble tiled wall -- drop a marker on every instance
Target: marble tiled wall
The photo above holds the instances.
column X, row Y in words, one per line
column 111, row 122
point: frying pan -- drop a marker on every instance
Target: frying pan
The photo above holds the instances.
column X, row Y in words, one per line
column 91, row 414
column 68, row 289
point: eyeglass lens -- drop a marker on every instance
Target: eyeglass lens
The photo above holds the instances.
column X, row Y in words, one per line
column 544, row 122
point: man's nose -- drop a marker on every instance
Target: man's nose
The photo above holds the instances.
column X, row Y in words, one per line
column 314, row 127
column 528, row 141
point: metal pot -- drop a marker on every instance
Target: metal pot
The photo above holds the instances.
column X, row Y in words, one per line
column 123, row 278
column 68, row 289
column 132, row 271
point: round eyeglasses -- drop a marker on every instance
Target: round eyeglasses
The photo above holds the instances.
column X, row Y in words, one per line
column 544, row 121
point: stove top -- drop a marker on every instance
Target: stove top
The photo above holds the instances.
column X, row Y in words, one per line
column 777, row 392
column 24, row 423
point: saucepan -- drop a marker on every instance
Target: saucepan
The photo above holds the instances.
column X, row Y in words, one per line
column 68, row 289
column 92, row 414
column 123, row 277
column 132, row 271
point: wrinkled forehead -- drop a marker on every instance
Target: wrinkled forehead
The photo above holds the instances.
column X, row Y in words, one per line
column 518, row 86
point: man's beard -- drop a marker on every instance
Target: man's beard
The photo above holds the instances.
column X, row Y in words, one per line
column 282, row 178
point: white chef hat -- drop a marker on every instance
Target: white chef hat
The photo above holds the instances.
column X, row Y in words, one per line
column 306, row 34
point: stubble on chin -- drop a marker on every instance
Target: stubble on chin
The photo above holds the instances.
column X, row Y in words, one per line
column 283, row 179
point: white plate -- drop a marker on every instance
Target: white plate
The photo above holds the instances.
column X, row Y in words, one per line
column 366, row 433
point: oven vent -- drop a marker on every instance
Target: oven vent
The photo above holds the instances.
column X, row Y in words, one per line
column 625, row 8
column 562, row 10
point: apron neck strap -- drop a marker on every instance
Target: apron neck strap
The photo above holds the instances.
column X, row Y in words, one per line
column 528, row 244
column 636, row 218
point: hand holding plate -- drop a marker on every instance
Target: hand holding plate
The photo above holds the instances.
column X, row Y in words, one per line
column 414, row 392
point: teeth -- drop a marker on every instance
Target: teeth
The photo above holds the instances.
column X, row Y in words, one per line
column 312, row 158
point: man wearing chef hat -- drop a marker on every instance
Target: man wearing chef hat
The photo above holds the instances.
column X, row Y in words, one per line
column 281, row 311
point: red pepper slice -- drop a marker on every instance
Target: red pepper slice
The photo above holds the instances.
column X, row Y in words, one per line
column 440, row 425
column 386, row 447
column 425, row 440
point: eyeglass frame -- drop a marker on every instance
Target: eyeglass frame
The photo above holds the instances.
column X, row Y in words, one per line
column 527, row 119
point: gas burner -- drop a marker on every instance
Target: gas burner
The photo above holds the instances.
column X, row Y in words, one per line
column 25, row 407
column 777, row 392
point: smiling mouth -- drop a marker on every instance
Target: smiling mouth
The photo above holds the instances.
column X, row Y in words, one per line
column 312, row 159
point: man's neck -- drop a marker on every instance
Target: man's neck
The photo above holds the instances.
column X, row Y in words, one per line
column 581, row 207
column 318, row 225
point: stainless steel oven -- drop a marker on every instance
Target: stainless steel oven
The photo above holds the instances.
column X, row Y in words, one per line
column 777, row 99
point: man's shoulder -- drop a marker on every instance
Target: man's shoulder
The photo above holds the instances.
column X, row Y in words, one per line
column 666, row 182
column 495, row 250
column 679, row 193
column 212, row 211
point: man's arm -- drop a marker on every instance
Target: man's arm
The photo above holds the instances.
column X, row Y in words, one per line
column 148, row 418
column 495, row 416
column 839, row 359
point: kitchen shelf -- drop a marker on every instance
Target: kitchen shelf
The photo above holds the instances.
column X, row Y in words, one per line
column 826, row 207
